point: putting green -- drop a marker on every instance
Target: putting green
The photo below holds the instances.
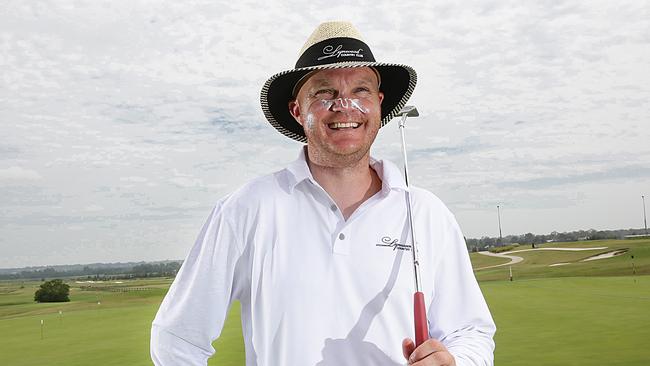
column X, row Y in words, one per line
column 571, row 321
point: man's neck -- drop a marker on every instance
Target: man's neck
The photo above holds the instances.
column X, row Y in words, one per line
column 350, row 185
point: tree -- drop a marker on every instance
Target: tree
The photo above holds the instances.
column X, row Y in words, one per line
column 53, row 291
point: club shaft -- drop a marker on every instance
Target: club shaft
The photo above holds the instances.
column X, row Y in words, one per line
column 419, row 308
column 414, row 251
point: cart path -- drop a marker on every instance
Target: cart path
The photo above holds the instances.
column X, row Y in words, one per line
column 513, row 259
column 516, row 259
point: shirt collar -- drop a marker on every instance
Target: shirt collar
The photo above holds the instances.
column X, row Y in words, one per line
column 299, row 170
column 389, row 173
column 391, row 176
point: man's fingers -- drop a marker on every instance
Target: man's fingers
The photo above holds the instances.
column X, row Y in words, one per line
column 429, row 347
column 407, row 347
column 440, row 358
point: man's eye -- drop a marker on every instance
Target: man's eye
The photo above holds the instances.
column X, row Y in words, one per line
column 324, row 92
column 362, row 90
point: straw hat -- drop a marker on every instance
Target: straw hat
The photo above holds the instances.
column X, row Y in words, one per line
column 333, row 45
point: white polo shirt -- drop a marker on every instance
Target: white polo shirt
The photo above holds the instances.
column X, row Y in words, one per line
column 316, row 289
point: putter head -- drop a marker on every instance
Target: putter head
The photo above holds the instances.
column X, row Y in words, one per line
column 409, row 111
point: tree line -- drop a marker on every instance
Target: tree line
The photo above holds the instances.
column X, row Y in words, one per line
column 160, row 269
column 486, row 242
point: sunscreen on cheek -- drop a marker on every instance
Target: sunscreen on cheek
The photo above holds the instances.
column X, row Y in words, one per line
column 309, row 122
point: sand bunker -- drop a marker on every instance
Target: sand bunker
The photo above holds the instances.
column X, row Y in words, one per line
column 611, row 254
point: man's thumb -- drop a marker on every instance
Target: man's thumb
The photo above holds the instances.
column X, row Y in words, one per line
column 408, row 346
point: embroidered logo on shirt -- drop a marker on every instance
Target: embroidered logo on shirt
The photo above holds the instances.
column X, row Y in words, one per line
column 386, row 241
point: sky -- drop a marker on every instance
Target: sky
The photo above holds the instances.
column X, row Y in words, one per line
column 122, row 123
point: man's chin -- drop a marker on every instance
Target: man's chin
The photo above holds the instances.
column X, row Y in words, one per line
column 346, row 149
column 350, row 154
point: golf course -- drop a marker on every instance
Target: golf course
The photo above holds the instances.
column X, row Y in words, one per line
column 577, row 303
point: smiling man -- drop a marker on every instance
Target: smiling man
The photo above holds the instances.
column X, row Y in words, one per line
column 340, row 112
column 315, row 253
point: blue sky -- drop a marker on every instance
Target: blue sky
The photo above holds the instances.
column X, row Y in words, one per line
column 123, row 122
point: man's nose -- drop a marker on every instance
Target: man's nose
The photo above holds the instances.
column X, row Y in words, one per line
column 345, row 105
column 340, row 104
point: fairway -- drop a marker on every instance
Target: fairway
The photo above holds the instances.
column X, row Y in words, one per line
column 583, row 313
column 98, row 327
column 106, row 325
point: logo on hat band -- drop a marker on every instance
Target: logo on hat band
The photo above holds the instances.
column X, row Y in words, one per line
column 330, row 51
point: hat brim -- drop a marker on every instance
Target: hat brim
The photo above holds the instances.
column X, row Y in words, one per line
column 397, row 83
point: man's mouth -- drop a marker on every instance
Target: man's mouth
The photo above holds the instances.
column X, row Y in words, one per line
column 343, row 125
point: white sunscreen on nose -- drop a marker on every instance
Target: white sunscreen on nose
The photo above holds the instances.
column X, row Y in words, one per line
column 357, row 105
column 344, row 104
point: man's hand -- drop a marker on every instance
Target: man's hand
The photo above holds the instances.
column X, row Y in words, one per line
column 429, row 353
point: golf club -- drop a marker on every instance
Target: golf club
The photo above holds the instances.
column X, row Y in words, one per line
column 421, row 324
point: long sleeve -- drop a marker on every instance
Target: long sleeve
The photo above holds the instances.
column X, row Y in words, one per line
column 458, row 314
column 193, row 312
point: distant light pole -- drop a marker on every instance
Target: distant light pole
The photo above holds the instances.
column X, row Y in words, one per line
column 645, row 223
column 499, row 217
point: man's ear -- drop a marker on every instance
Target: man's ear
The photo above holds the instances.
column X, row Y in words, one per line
column 294, row 109
column 381, row 97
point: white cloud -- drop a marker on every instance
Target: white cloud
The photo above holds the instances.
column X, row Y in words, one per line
column 187, row 182
column 16, row 173
column 133, row 179
column 539, row 105
column 94, row 208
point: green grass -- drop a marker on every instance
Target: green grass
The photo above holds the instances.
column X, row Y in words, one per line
column 230, row 345
column 580, row 314
column 571, row 321
column 100, row 326
column 115, row 332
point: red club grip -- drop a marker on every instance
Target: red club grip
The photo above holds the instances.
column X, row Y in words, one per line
column 421, row 324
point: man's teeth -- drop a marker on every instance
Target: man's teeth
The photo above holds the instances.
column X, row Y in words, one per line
column 343, row 125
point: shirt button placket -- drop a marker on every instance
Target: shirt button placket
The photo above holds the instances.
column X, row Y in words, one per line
column 342, row 244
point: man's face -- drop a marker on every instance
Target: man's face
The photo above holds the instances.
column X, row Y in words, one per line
column 340, row 111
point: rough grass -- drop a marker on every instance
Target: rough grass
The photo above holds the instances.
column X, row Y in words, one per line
column 504, row 248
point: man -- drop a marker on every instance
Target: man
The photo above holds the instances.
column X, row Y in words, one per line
column 315, row 253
